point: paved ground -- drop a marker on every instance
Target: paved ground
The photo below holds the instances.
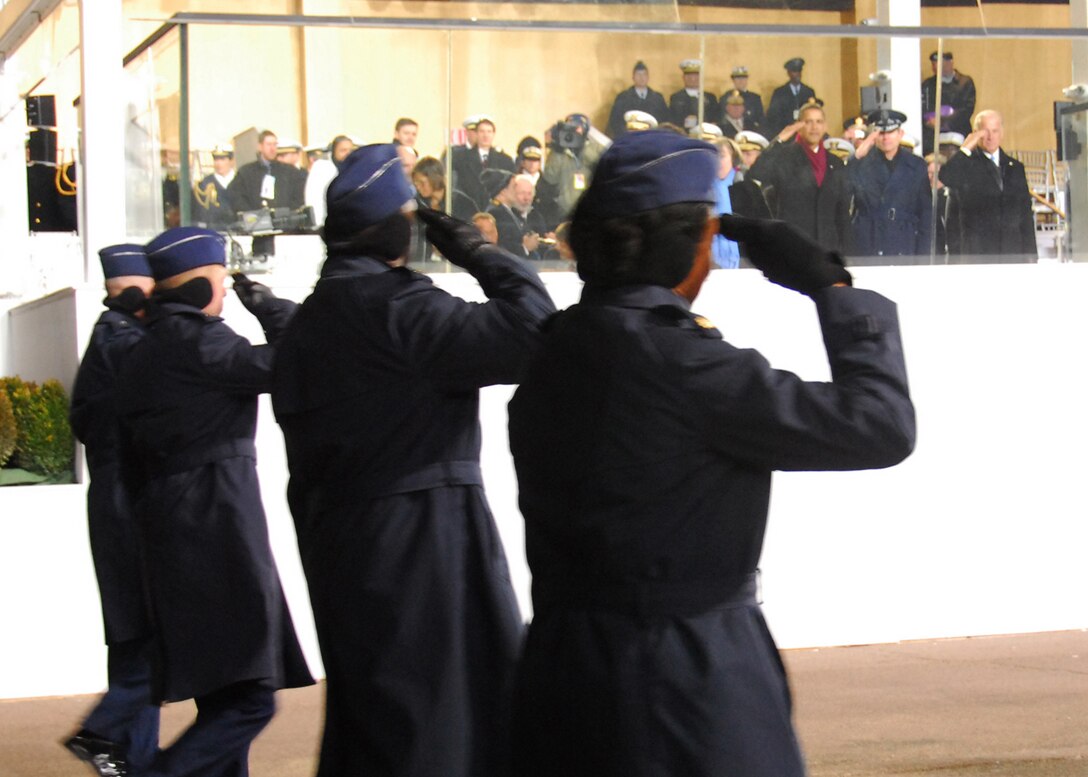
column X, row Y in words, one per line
column 1009, row 706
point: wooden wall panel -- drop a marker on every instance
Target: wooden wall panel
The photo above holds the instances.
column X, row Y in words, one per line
column 361, row 81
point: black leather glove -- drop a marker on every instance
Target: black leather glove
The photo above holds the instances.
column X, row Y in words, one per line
column 786, row 256
column 256, row 297
column 456, row 240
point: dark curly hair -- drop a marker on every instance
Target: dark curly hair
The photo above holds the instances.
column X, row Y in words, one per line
column 655, row 247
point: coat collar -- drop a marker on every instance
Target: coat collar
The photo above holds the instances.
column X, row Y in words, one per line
column 340, row 266
column 636, row 296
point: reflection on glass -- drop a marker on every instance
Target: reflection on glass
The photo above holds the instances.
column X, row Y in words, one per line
column 153, row 187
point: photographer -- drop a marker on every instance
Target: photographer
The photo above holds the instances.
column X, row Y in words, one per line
column 572, row 155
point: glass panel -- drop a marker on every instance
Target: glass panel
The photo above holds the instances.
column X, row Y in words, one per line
column 1011, row 91
column 534, row 85
column 152, row 138
column 46, row 72
column 554, row 11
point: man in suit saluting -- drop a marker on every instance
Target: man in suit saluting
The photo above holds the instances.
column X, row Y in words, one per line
column 991, row 191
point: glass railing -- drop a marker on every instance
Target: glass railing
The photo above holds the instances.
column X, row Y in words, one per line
column 538, row 90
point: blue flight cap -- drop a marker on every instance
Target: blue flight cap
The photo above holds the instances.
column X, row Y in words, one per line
column 184, row 248
column 124, row 259
column 645, row 170
column 371, row 186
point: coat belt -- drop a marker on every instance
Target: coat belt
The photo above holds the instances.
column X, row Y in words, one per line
column 648, row 598
column 191, row 459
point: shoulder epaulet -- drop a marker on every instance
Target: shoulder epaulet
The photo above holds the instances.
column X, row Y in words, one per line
column 684, row 319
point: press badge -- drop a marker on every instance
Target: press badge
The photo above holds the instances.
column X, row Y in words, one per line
column 268, row 187
column 579, row 181
column 796, row 114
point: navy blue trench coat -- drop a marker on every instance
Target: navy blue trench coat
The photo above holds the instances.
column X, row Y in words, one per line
column 644, row 446
column 376, row 391
column 188, row 399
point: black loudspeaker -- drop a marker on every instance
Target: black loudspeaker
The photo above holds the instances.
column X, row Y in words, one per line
column 41, row 110
column 43, row 145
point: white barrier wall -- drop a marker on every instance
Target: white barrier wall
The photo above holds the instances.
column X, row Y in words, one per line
column 981, row 531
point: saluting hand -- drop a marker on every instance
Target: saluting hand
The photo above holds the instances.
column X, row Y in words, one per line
column 455, row 239
column 866, row 144
column 972, row 140
column 789, row 131
column 785, row 255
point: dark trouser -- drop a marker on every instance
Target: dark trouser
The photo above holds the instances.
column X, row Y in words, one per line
column 125, row 714
column 217, row 744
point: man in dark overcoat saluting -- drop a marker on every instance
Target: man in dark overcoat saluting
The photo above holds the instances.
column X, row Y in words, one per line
column 993, row 202
column 892, row 200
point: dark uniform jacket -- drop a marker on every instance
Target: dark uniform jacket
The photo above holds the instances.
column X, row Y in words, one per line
column 992, row 206
column 188, row 398
column 110, row 517
column 467, row 169
column 376, row 389
column 644, row 447
column 730, row 130
column 787, row 179
column 628, row 100
column 958, row 95
column 684, row 109
column 753, row 108
column 785, row 106
column 245, row 190
column 211, row 203
column 893, row 205
column 51, row 197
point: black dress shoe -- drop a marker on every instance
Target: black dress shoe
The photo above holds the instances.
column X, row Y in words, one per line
column 102, row 755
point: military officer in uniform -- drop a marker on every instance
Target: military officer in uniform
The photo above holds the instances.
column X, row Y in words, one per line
column 735, row 115
column 684, row 104
column 855, row 129
column 892, row 200
column 636, row 121
column 753, row 102
column 751, row 145
column 211, row 202
column 957, row 100
column 840, row 147
column 991, row 198
column 376, row 390
column 788, row 99
column 187, row 395
column 644, row 447
column 638, row 97
column 122, row 731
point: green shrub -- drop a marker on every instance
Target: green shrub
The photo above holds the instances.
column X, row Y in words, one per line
column 43, row 439
column 7, row 428
column 18, row 393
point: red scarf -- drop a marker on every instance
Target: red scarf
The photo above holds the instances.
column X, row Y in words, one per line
column 817, row 158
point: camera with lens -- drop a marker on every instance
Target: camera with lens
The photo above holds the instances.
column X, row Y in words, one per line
column 566, row 134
